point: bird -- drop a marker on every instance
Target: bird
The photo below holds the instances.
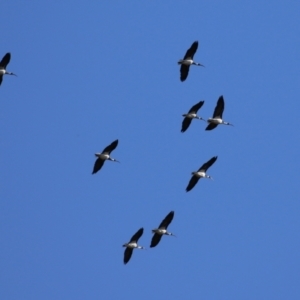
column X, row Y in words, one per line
column 187, row 61
column 104, row 155
column 162, row 229
column 201, row 173
column 132, row 244
column 3, row 64
column 217, row 116
column 192, row 114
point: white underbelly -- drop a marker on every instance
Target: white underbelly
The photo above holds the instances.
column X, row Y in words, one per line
column 187, row 62
column 215, row 121
column 104, row 156
column 191, row 116
column 132, row 245
column 200, row 174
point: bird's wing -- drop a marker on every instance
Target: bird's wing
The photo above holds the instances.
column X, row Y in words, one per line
column 137, row 235
column 5, row 60
column 127, row 255
column 219, row 108
column 211, row 126
column 1, row 77
column 110, row 147
column 167, row 220
column 208, row 164
column 191, row 51
column 196, row 107
column 155, row 240
column 184, row 72
column 185, row 124
column 192, row 183
column 98, row 165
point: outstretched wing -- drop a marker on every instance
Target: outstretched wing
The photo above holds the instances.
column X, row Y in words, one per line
column 208, row 164
column 184, row 72
column 196, row 107
column 5, row 60
column 137, row 235
column 192, row 183
column 211, row 126
column 98, row 165
column 110, row 147
column 185, row 124
column 191, row 51
column 127, row 255
column 167, row 220
column 219, row 108
column 155, row 240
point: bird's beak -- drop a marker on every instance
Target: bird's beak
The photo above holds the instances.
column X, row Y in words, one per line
column 211, row 178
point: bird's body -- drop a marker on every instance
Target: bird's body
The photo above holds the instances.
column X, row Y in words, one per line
column 192, row 114
column 104, row 155
column 187, row 61
column 201, row 173
column 3, row 64
column 132, row 244
column 217, row 116
column 162, row 229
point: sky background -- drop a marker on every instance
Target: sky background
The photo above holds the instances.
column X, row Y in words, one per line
column 90, row 72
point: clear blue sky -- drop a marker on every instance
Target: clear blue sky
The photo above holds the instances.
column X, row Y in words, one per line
column 91, row 72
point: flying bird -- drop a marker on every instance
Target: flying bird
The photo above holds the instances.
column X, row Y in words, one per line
column 201, row 173
column 192, row 114
column 187, row 61
column 104, row 155
column 162, row 229
column 217, row 117
column 3, row 64
column 132, row 245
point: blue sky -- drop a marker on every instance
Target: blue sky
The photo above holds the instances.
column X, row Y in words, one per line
column 92, row 72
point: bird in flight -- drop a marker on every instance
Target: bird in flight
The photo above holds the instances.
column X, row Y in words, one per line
column 132, row 244
column 217, row 116
column 104, row 155
column 3, row 64
column 162, row 229
column 201, row 173
column 187, row 61
column 192, row 114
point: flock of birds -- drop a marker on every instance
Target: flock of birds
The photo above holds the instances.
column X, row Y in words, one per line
column 217, row 119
